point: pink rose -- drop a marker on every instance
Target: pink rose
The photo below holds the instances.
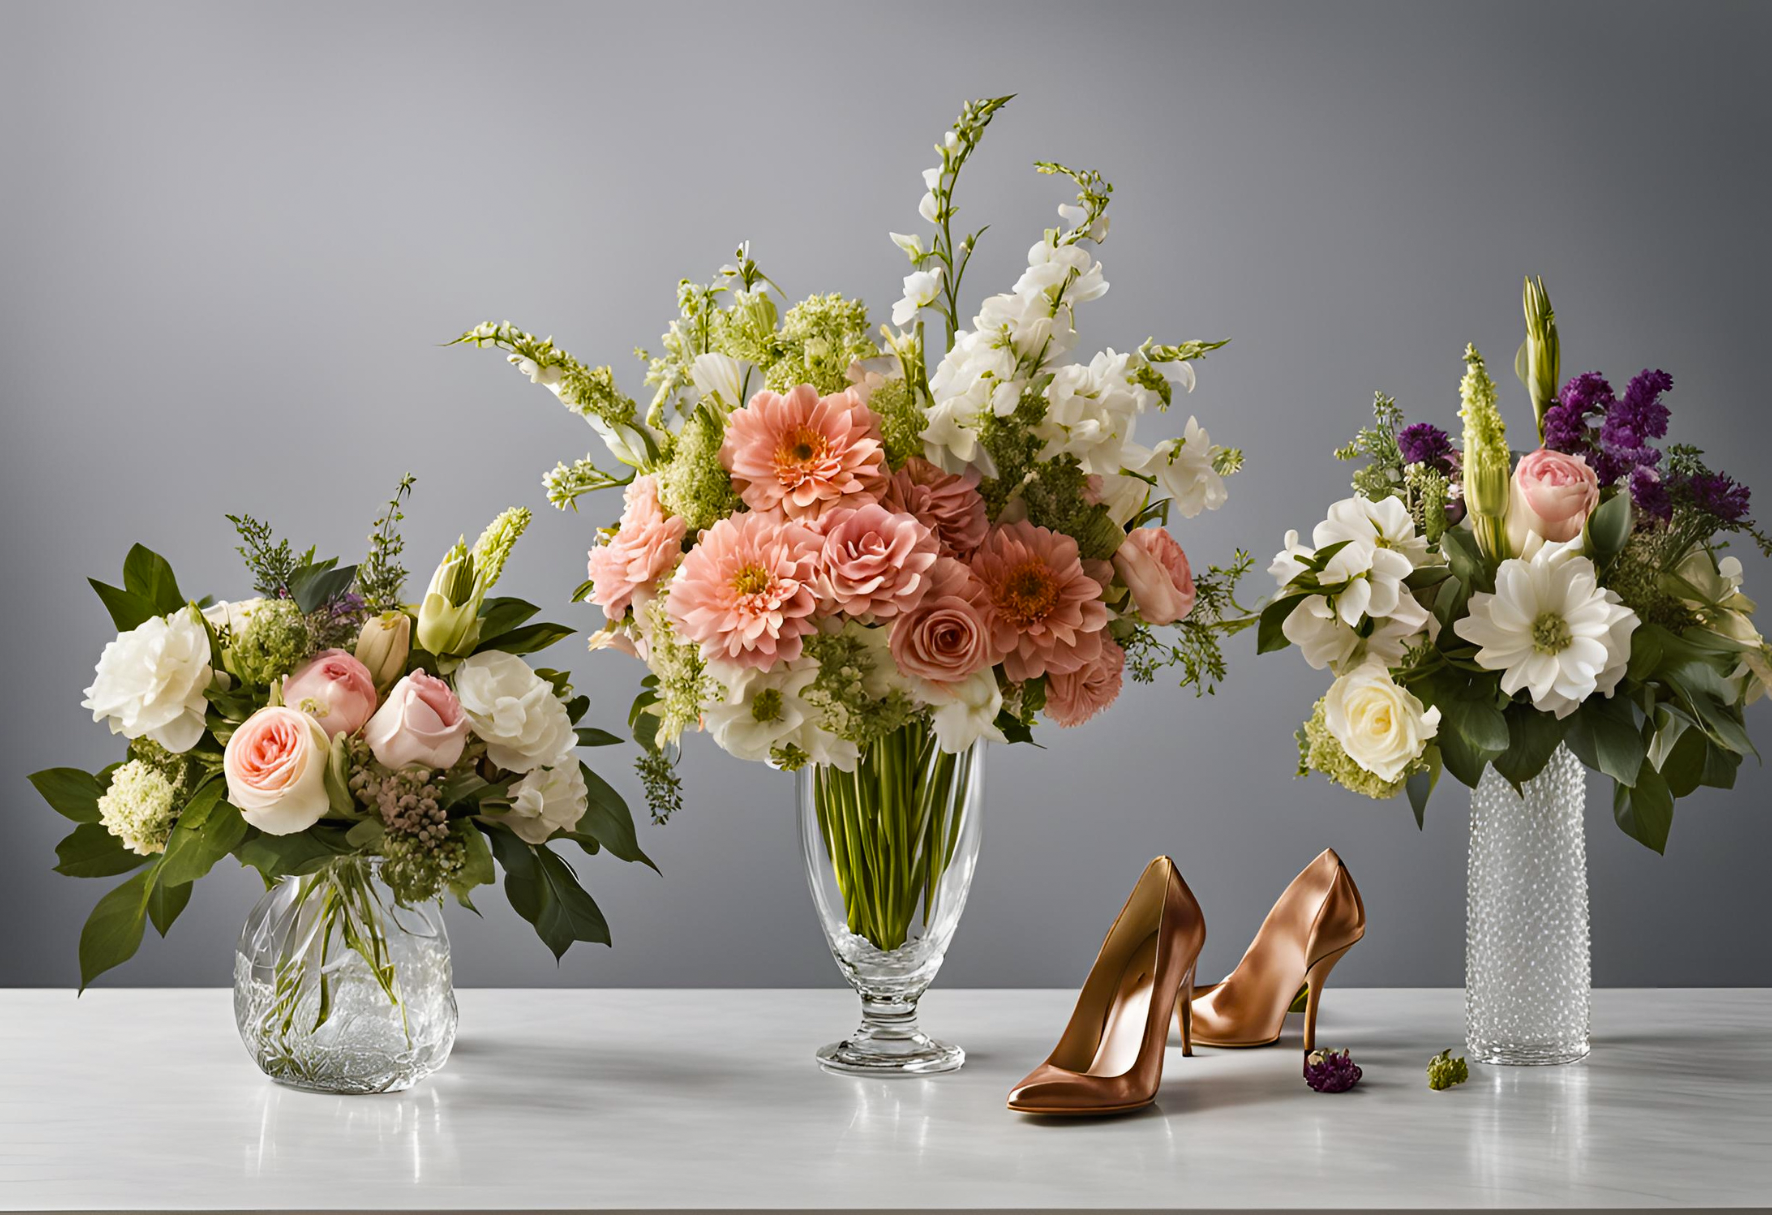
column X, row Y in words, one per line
column 276, row 770
column 1073, row 699
column 874, row 561
column 421, row 723
column 335, row 689
column 1553, row 494
column 641, row 552
column 1155, row 570
column 948, row 504
column 947, row 636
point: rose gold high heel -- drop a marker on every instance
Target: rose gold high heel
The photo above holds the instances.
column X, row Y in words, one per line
column 1110, row 1058
column 1318, row 918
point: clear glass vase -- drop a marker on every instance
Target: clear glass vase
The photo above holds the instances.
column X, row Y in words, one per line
column 1527, row 976
column 339, row 988
column 890, row 851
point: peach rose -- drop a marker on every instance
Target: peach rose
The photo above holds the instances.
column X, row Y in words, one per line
column 1156, row 571
column 641, row 552
column 335, row 689
column 948, row 504
column 946, row 637
column 1073, row 699
column 1553, row 494
column 421, row 723
column 276, row 770
column 874, row 562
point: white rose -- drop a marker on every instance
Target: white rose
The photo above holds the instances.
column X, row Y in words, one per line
column 232, row 616
column 514, row 711
column 1381, row 726
column 151, row 680
column 547, row 800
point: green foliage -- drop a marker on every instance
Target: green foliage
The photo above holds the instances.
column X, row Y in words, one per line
column 149, row 590
column 1443, row 1071
column 694, row 484
column 820, row 337
column 901, row 421
column 271, row 561
column 1198, row 644
column 544, row 890
column 274, row 641
column 664, row 787
column 1382, row 474
column 381, row 578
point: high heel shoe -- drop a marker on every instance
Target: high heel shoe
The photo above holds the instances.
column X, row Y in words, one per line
column 1110, row 1058
column 1317, row 920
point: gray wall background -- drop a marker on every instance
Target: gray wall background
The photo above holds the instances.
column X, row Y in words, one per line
column 235, row 235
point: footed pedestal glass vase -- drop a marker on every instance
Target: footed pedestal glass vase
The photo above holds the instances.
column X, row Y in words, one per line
column 1527, row 976
column 339, row 988
column 890, row 852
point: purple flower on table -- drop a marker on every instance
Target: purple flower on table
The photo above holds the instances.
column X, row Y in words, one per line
column 1331, row 1071
column 1648, row 492
column 1425, row 443
column 1721, row 495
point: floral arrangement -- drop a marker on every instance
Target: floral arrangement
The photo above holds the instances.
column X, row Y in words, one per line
column 1479, row 606
column 833, row 533
column 325, row 721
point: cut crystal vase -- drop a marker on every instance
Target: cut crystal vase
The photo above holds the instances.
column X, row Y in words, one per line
column 1527, row 976
column 340, row 988
column 890, row 851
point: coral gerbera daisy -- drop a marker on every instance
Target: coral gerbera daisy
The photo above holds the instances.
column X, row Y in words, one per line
column 745, row 593
column 1048, row 615
column 804, row 453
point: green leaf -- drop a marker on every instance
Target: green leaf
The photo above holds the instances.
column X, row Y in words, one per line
column 477, row 868
column 1604, row 735
column 1646, row 810
column 1467, row 561
column 586, row 844
column 314, row 585
column 584, row 589
column 71, row 793
column 113, row 931
column 208, row 829
column 568, row 913
column 1609, row 527
column 1647, row 648
column 1706, row 693
column 127, row 611
column 503, row 613
column 1533, row 737
column 1472, row 733
column 148, row 576
column 1269, row 634
column 1684, row 764
column 166, row 902
column 92, row 852
column 1426, row 576
column 576, row 708
column 276, row 856
column 590, row 736
column 526, row 640
column 1719, row 768
column 608, row 820
column 366, row 834
column 522, row 880
column 1420, row 785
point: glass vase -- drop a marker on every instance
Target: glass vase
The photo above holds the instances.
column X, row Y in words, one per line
column 890, row 852
column 1527, row 976
column 340, row 988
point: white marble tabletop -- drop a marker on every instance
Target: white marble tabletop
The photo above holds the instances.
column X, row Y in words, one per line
column 145, row 1099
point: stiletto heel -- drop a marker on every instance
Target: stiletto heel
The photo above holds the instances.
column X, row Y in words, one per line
column 1110, row 1058
column 1318, row 918
column 1314, row 980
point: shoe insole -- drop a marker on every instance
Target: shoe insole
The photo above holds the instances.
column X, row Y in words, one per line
column 1128, row 1014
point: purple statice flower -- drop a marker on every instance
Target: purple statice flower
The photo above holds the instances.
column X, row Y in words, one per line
column 1586, row 393
column 1565, row 429
column 1331, row 1071
column 1425, row 443
column 1636, row 418
column 1648, row 492
column 1721, row 495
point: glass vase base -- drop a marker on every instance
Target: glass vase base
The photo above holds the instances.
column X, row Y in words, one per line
column 1526, row 1055
column 874, row 1054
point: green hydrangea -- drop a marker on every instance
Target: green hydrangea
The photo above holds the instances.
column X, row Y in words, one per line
column 901, row 421
column 138, row 807
column 273, row 643
column 746, row 328
column 684, row 685
column 694, row 484
column 1443, row 1071
column 851, row 688
column 820, row 337
column 1318, row 751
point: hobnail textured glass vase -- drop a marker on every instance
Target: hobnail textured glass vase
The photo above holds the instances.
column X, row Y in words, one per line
column 890, row 852
column 339, row 988
column 1527, row 975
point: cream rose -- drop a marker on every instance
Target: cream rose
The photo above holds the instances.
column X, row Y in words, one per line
column 514, row 711
column 1381, row 726
column 547, row 800
column 276, row 769
column 151, row 680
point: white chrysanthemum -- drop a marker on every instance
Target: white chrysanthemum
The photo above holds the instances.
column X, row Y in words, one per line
column 547, row 800
column 514, row 711
column 151, row 680
column 1552, row 629
column 1385, row 523
column 1184, row 469
column 138, row 808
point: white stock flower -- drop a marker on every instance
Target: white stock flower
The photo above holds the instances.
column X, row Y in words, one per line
column 514, row 711
column 1381, row 726
column 547, row 800
column 1183, row 468
column 548, row 377
column 1385, row 524
column 1091, row 411
column 151, row 680
column 1053, row 266
column 1124, row 496
column 1551, row 628
column 912, row 245
column 720, row 376
column 920, row 289
column 964, row 712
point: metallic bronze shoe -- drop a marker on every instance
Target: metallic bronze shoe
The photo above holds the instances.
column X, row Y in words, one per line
column 1318, row 919
column 1110, row 1058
